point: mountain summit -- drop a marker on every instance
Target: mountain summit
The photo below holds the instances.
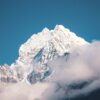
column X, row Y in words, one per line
column 60, row 39
column 37, row 51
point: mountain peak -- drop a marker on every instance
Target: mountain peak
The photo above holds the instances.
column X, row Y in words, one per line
column 61, row 38
column 57, row 27
column 42, row 47
column 61, row 28
column 45, row 30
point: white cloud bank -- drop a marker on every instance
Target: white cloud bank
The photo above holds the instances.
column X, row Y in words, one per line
column 73, row 75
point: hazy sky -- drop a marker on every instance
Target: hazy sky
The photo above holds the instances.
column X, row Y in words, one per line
column 19, row 19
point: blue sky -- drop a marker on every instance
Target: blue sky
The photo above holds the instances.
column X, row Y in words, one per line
column 19, row 19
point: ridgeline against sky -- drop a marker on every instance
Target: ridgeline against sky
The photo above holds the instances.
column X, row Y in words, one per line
column 20, row 19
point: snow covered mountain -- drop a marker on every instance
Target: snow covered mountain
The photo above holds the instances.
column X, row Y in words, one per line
column 37, row 51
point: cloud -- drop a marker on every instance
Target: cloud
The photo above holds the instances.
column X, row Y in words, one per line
column 72, row 75
column 22, row 91
column 76, row 74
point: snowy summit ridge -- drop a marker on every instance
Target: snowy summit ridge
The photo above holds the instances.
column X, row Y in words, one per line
column 40, row 48
column 61, row 38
